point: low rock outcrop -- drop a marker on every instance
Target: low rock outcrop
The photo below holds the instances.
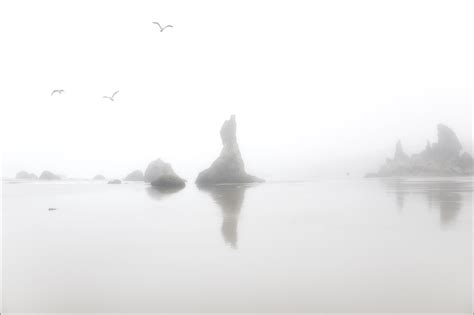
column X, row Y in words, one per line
column 115, row 182
column 135, row 176
column 443, row 158
column 169, row 182
column 229, row 166
column 99, row 177
column 26, row 176
column 47, row 175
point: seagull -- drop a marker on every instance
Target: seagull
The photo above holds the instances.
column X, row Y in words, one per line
column 111, row 97
column 57, row 91
column 162, row 28
column 51, row 209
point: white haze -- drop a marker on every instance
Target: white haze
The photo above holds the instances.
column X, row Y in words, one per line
column 319, row 87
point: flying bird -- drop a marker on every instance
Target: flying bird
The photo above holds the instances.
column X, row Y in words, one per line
column 57, row 91
column 111, row 97
column 162, row 28
column 51, row 209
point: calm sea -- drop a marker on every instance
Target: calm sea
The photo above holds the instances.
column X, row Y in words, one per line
column 345, row 245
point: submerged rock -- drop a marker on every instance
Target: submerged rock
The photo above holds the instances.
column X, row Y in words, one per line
column 136, row 176
column 115, row 182
column 99, row 177
column 47, row 175
column 156, row 169
column 25, row 175
column 169, row 182
column 229, row 166
column 442, row 158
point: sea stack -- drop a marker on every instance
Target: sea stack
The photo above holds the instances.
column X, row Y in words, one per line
column 26, row 176
column 156, row 169
column 229, row 167
column 442, row 158
column 160, row 174
column 135, row 176
column 47, row 175
column 99, row 177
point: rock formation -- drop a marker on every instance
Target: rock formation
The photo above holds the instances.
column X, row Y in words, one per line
column 156, row 169
column 443, row 158
column 136, row 176
column 26, row 176
column 169, row 182
column 229, row 166
column 99, row 177
column 115, row 181
column 47, row 175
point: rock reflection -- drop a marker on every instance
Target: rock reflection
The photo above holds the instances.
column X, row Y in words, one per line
column 159, row 194
column 446, row 196
column 230, row 199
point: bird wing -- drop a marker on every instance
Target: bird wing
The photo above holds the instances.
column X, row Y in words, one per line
column 53, row 92
column 167, row 26
column 156, row 24
column 114, row 93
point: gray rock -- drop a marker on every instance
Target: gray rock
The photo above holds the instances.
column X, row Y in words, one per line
column 115, row 182
column 156, row 169
column 136, row 176
column 99, row 177
column 169, row 182
column 229, row 166
column 26, row 176
column 400, row 155
column 47, row 175
column 442, row 158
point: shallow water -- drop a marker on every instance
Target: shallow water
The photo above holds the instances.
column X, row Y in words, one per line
column 348, row 245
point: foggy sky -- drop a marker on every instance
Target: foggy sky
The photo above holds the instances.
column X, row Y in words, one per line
column 318, row 87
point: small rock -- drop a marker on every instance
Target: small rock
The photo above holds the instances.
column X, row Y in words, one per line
column 169, row 182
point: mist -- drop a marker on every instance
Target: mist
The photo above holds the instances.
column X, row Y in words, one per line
column 318, row 89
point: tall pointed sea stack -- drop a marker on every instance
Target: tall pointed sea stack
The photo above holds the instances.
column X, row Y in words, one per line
column 229, row 166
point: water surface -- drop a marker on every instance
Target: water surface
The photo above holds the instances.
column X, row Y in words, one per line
column 348, row 245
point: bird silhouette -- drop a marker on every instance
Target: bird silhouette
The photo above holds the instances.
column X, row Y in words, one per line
column 111, row 97
column 57, row 91
column 162, row 28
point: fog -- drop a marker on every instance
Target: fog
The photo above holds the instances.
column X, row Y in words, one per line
column 312, row 96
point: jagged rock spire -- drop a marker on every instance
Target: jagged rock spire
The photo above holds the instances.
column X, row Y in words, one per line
column 229, row 166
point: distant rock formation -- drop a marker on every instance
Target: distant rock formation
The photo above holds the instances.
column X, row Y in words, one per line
column 99, row 177
column 115, row 181
column 26, row 176
column 229, row 166
column 169, row 182
column 47, row 175
column 136, row 176
column 443, row 158
column 156, row 169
